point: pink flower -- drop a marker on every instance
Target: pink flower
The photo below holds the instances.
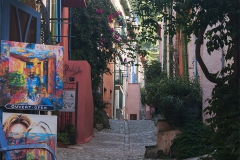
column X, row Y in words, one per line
column 116, row 36
column 110, row 18
column 111, row 30
column 102, row 40
column 99, row 11
column 117, row 40
column 117, row 14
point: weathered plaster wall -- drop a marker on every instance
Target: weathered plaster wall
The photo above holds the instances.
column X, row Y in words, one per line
column 81, row 71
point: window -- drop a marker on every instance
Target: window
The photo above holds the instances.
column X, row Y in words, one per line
column 133, row 116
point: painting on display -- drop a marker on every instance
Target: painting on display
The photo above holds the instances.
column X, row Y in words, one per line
column 69, row 100
column 30, row 129
column 31, row 74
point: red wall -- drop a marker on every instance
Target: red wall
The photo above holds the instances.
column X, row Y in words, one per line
column 81, row 71
column 85, row 99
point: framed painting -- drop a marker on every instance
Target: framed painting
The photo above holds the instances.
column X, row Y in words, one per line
column 31, row 74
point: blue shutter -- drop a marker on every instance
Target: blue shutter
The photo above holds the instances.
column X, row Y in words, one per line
column 20, row 22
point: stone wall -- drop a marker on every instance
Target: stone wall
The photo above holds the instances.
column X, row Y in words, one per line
column 165, row 135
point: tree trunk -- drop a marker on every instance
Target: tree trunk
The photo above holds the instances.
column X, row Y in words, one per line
column 199, row 43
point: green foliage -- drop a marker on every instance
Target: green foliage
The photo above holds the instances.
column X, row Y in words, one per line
column 143, row 96
column 95, row 41
column 99, row 103
column 192, row 142
column 99, row 119
column 63, row 137
column 67, row 133
column 125, row 7
column 153, row 71
column 16, row 79
column 177, row 100
column 224, row 111
column 216, row 21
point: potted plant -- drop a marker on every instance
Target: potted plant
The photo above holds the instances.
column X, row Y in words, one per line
column 175, row 99
column 69, row 130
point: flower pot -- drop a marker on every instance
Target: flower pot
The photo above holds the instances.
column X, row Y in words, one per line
column 163, row 126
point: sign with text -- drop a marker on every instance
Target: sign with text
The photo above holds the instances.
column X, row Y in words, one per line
column 69, row 101
column 30, row 107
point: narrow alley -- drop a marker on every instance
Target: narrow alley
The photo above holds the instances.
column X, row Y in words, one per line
column 114, row 143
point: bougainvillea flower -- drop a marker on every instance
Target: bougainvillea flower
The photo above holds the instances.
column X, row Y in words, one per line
column 111, row 30
column 117, row 14
column 116, row 36
column 110, row 18
column 99, row 11
column 102, row 40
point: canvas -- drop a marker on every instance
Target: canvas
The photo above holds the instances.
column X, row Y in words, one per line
column 31, row 74
column 30, row 129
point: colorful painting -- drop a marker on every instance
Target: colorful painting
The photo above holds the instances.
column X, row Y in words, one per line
column 30, row 129
column 31, row 74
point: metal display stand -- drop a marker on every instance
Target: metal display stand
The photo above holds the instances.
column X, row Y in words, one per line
column 67, row 118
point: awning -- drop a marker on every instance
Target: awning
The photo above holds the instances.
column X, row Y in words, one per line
column 74, row 3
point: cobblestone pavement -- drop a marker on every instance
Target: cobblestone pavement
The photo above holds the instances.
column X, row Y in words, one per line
column 111, row 144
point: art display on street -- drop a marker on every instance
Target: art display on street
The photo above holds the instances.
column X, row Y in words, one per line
column 31, row 74
column 69, row 100
column 22, row 129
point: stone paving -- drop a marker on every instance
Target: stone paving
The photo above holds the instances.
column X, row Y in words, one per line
column 110, row 144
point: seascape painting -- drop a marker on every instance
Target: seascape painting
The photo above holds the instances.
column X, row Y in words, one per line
column 31, row 74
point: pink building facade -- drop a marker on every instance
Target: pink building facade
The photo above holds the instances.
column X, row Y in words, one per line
column 81, row 72
column 133, row 102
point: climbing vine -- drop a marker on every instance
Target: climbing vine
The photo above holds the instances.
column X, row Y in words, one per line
column 96, row 41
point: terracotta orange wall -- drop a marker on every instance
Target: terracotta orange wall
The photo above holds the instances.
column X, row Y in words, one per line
column 108, row 89
column 179, row 47
column 64, row 40
column 84, row 99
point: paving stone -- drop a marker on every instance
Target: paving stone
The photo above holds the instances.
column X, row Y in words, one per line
column 109, row 144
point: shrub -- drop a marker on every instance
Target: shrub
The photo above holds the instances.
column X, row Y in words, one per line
column 192, row 142
column 175, row 99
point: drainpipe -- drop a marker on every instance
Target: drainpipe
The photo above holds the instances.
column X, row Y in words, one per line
column 137, row 69
column 195, row 61
column 170, row 43
column 53, row 29
column 185, row 56
column 59, row 15
column 70, row 35
column 165, row 47
column 114, row 88
column 223, row 60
